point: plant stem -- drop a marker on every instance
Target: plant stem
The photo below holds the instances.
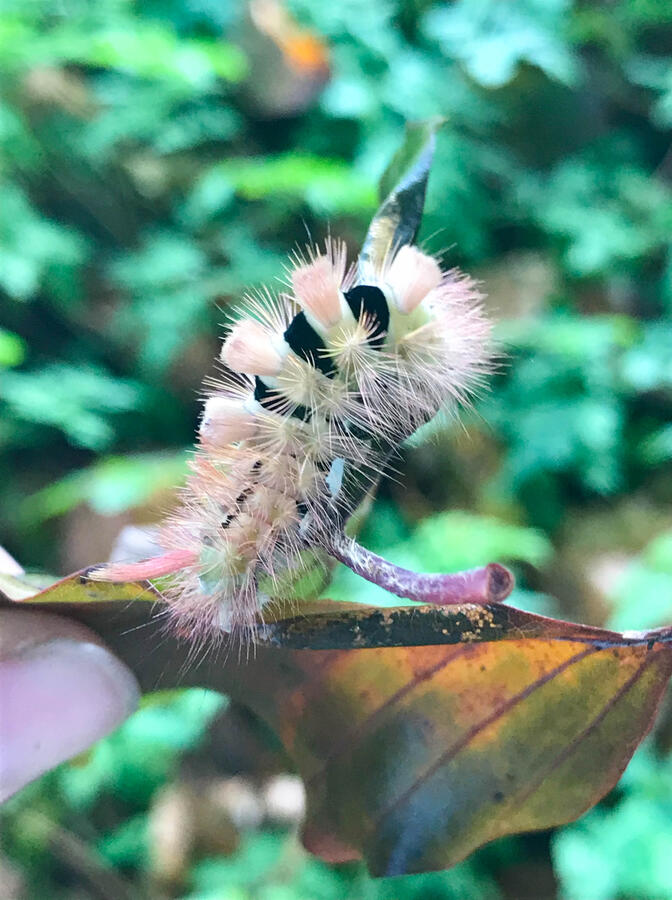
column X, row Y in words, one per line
column 488, row 584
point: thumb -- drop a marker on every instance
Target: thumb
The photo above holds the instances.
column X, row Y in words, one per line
column 60, row 691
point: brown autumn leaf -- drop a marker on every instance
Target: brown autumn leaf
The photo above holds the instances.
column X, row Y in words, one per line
column 421, row 732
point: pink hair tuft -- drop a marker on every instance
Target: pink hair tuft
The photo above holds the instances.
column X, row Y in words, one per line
column 225, row 421
column 317, row 288
column 412, row 275
column 249, row 349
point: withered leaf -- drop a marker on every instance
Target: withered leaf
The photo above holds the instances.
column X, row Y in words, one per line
column 421, row 732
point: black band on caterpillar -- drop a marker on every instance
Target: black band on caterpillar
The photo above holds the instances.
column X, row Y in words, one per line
column 306, row 343
column 370, row 300
column 261, row 391
column 229, row 517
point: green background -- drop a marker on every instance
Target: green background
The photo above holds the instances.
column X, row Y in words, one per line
column 161, row 156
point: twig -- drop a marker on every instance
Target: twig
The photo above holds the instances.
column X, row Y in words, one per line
column 487, row 584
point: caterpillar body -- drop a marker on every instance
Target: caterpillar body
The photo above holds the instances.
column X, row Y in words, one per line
column 321, row 381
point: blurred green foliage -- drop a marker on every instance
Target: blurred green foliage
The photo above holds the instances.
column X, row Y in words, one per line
column 623, row 851
column 160, row 158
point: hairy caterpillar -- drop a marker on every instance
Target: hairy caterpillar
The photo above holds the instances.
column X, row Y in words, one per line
column 321, row 382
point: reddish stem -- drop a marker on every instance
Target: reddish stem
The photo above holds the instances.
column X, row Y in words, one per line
column 487, row 584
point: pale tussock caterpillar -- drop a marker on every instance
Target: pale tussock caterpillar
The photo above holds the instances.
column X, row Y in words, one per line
column 321, row 382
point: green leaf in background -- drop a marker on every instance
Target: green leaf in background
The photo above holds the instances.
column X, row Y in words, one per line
column 128, row 845
column 327, row 186
column 649, row 579
column 78, row 400
column 657, row 447
column 140, row 756
column 493, row 40
column 33, row 248
column 12, row 349
column 460, row 540
column 623, row 851
column 111, row 486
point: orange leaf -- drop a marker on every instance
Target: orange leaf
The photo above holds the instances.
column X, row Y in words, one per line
column 421, row 732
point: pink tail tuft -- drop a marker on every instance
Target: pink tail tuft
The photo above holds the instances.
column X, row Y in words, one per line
column 146, row 568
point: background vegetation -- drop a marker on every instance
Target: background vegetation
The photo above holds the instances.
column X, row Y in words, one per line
column 160, row 156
